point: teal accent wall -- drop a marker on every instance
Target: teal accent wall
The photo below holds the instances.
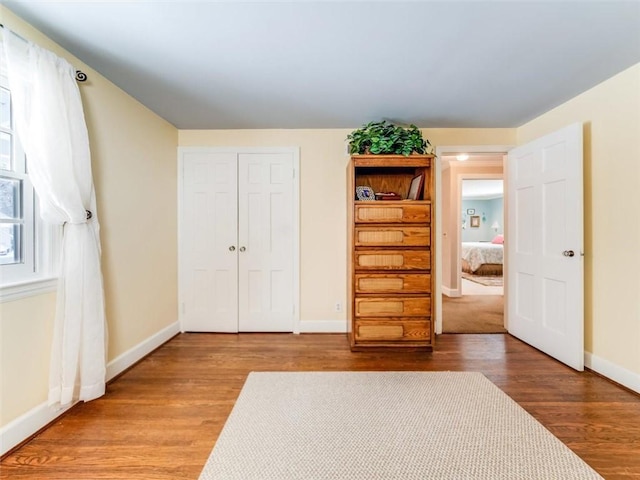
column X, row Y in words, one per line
column 489, row 211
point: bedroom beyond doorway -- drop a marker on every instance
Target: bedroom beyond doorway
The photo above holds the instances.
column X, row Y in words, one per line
column 480, row 306
column 472, row 212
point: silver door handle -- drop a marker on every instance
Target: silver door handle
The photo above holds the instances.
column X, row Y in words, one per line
column 242, row 249
column 232, row 248
column 568, row 253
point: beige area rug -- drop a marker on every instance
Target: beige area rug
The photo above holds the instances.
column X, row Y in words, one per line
column 473, row 314
column 488, row 281
column 384, row 425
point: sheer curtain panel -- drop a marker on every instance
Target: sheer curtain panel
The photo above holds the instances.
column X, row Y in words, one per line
column 50, row 123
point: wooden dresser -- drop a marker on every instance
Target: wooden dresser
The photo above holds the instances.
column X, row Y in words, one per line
column 390, row 256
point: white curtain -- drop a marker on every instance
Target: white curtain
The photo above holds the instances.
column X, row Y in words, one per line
column 50, row 124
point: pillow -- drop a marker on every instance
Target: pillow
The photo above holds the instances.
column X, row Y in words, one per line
column 499, row 239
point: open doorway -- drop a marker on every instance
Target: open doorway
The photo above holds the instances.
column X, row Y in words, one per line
column 482, row 236
column 472, row 252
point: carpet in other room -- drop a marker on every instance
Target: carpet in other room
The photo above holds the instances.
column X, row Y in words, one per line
column 473, row 314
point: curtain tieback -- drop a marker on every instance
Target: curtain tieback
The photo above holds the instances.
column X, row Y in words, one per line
column 88, row 216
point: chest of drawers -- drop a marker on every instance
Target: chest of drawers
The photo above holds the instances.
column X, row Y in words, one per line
column 390, row 256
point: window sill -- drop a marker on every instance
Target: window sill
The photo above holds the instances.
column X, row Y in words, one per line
column 30, row 288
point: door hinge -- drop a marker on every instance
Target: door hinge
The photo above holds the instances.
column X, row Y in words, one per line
column 294, row 173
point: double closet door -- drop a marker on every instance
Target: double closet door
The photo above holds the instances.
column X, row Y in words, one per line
column 236, row 253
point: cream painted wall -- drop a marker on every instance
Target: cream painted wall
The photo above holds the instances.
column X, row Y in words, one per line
column 133, row 159
column 323, row 163
column 470, row 136
column 25, row 347
column 610, row 114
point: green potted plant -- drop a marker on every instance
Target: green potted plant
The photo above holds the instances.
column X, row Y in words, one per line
column 379, row 138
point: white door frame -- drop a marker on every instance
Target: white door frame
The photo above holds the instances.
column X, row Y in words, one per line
column 296, row 218
column 452, row 150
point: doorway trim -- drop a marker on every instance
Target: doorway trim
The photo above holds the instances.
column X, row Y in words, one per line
column 295, row 151
column 452, row 150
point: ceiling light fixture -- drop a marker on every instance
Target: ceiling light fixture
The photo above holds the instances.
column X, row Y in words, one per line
column 462, row 157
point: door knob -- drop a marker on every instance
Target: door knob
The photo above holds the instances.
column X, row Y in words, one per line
column 242, row 249
column 568, row 253
column 232, row 248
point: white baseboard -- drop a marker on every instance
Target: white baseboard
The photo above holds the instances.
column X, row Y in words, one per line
column 323, row 326
column 122, row 362
column 451, row 292
column 21, row 428
column 612, row 371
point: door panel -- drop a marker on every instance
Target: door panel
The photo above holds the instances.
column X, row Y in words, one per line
column 265, row 259
column 209, row 276
column 545, row 185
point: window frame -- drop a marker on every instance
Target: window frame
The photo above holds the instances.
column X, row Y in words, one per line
column 37, row 271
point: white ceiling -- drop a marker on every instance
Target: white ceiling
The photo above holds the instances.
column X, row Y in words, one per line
column 339, row 64
column 482, row 189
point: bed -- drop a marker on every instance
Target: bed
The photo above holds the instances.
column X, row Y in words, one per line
column 482, row 258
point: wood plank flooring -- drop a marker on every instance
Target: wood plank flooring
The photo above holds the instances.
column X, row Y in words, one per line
column 160, row 419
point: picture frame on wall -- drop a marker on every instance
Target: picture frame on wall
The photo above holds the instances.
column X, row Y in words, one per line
column 474, row 221
column 471, row 211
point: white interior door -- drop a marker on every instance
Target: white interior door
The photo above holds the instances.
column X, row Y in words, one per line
column 544, row 245
column 208, row 246
column 265, row 239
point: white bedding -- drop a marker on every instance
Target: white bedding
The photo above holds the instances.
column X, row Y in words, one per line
column 479, row 253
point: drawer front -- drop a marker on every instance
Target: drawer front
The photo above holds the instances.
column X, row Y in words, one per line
column 393, row 306
column 402, row 330
column 384, row 213
column 392, row 259
column 393, row 283
column 393, row 236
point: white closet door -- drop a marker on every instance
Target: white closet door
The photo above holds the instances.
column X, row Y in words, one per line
column 265, row 241
column 208, row 252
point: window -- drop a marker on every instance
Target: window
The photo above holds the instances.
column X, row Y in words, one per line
column 25, row 244
column 16, row 200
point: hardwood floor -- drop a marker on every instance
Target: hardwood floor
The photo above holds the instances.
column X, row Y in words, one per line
column 161, row 418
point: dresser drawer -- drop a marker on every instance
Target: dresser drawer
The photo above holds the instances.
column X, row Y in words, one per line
column 384, row 212
column 401, row 329
column 418, row 306
column 393, row 236
column 392, row 259
column 392, row 283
